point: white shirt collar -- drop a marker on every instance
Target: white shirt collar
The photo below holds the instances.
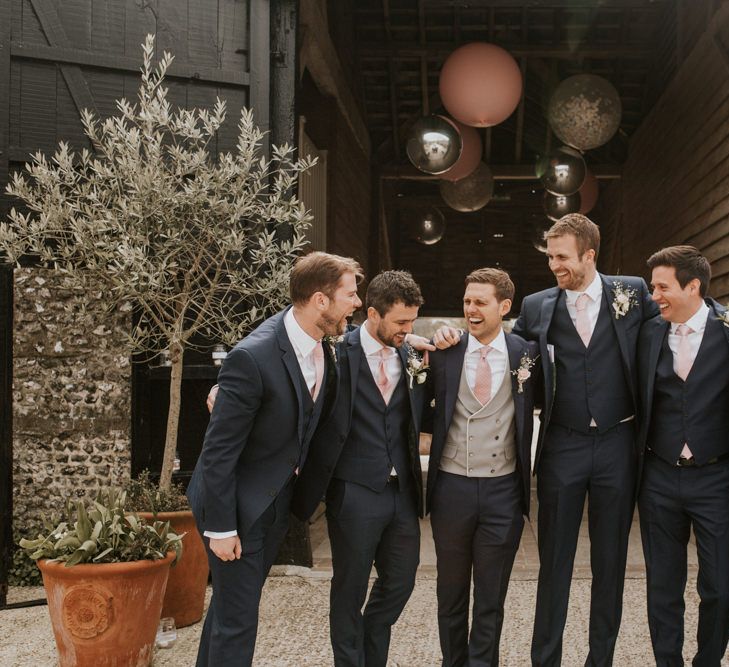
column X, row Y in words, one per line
column 697, row 321
column 303, row 343
column 594, row 290
column 369, row 344
column 498, row 343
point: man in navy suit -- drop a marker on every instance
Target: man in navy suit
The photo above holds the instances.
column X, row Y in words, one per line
column 479, row 470
column 683, row 361
column 587, row 329
column 366, row 458
column 273, row 388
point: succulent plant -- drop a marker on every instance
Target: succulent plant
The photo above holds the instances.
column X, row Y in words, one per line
column 105, row 532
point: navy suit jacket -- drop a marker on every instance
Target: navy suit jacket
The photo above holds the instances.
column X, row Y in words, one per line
column 651, row 340
column 256, row 432
column 444, row 381
column 331, row 435
column 535, row 318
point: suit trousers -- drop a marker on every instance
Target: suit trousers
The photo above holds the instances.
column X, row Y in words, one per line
column 573, row 466
column 477, row 524
column 672, row 501
column 367, row 527
column 229, row 633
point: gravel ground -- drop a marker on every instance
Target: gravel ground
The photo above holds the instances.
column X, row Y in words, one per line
column 293, row 628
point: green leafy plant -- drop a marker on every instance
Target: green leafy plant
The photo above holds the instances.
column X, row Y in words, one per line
column 200, row 244
column 143, row 495
column 105, row 532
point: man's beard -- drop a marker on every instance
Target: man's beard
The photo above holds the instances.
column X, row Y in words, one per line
column 331, row 326
column 390, row 340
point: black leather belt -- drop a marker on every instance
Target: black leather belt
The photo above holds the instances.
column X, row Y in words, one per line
column 392, row 479
column 690, row 462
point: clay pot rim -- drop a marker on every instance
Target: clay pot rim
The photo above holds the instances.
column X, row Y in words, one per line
column 59, row 569
column 165, row 516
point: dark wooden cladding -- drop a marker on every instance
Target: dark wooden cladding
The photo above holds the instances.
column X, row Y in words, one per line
column 674, row 187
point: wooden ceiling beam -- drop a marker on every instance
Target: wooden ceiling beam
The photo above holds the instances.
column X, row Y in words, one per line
column 441, row 50
column 500, row 172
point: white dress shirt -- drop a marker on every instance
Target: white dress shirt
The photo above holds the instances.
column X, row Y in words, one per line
column 372, row 349
column 594, row 291
column 303, row 345
column 697, row 324
column 496, row 357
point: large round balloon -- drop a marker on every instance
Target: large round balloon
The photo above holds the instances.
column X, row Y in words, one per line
column 470, row 155
column 588, row 193
column 480, row 84
column 556, row 206
column 426, row 225
column 562, row 172
column 434, row 144
column 470, row 193
column 585, row 111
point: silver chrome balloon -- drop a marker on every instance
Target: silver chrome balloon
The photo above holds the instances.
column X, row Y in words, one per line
column 556, row 206
column 427, row 225
column 434, row 144
column 585, row 111
column 470, row 193
column 562, row 172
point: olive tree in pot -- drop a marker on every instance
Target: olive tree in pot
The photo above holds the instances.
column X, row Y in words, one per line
column 105, row 571
column 199, row 243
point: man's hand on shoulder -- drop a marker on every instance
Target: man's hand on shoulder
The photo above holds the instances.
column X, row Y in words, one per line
column 227, row 548
column 447, row 337
column 419, row 343
column 211, row 397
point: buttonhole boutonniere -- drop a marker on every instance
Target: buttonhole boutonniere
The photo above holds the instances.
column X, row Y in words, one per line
column 417, row 367
column 623, row 299
column 724, row 317
column 523, row 373
column 332, row 342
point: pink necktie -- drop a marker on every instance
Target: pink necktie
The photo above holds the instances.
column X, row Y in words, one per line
column 683, row 366
column 318, row 353
column 583, row 319
column 383, row 379
column 482, row 386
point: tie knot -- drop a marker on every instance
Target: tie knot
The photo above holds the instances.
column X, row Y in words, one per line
column 484, row 351
column 582, row 301
column 318, row 350
column 385, row 353
column 683, row 330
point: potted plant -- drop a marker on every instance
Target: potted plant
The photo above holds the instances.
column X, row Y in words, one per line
column 185, row 594
column 105, row 572
column 200, row 244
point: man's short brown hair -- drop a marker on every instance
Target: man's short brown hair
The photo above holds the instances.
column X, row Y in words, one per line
column 687, row 262
column 390, row 287
column 503, row 285
column 320, row 272
column 585, row 231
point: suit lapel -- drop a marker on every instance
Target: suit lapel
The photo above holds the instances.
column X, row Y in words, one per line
column 453, row 369
column 354, row 351
column 618, row 325
column 549, row 304
column 291, row 363
column 720, row 312
column 657, row 338
column 515, row 350
column 403, row 352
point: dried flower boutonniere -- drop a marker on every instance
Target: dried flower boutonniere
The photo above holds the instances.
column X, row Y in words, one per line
column 623, row 299
column 523, row 373
column 332, row 342
column 417, row 367
column 724, row 317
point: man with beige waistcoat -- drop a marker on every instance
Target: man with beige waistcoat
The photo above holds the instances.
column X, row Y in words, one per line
column 478, row 475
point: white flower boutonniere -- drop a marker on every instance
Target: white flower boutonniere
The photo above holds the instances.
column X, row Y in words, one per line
column 417, row 367
column 523, row 373
column 623, row 299
column 332, row 342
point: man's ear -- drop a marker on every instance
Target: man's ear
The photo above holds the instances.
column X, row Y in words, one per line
column 504, row 307
column 320, row 300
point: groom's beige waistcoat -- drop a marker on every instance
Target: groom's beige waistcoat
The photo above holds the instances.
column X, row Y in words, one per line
column 481, row 440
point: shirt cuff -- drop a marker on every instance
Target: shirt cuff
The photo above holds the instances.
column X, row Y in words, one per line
column 220, row 536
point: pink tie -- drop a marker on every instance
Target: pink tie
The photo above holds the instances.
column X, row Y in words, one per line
column 383, row 379
column 318, row 353
column 683, row 366
column 583, row 320
column 482, row 387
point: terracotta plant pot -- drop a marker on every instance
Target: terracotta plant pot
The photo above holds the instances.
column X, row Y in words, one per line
column 185, row 596
column 105, row 615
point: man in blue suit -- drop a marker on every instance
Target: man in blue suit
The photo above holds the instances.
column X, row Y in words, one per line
column 587, row 329
column 479, row 469
column 274, row 387
column 366, row 458
column 683, row 357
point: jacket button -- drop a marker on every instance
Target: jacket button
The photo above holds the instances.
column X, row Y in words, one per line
column 293, row 461
column 496, row 438
column 272, row 493
column 470, row 453
column 494, row 455
column 493, row 470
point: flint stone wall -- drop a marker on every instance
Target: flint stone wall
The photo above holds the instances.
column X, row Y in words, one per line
column 71, row 396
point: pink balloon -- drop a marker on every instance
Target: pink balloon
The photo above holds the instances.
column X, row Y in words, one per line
column 471, row 153
column 588, row 192
column 480, row 84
